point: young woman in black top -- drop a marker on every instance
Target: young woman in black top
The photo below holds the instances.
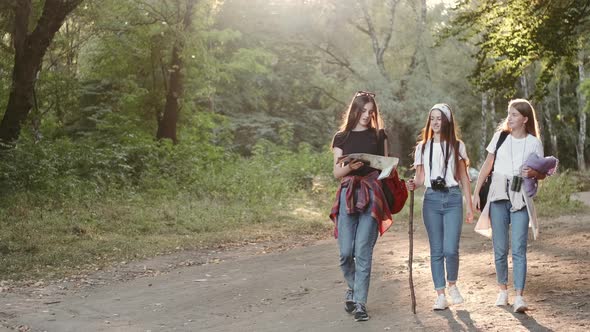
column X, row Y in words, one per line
column 360, row 212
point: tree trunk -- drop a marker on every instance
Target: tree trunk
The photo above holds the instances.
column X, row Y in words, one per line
column 552, row 136
column 525, row 85
column 559, row 113
column 581, row 115
column 558, row 98
column 339, row 60
column 417, row 49
column 29, row 51
column 484, row 128
column 378, row 47
column 167, row 123
column 493, row 121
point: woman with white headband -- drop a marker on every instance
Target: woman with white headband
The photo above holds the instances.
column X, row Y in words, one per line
column 441, row 164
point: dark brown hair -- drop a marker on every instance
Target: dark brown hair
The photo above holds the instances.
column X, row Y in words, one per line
column 354, row 111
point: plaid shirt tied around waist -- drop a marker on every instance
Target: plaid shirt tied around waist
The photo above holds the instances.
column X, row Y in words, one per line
column 362, row 184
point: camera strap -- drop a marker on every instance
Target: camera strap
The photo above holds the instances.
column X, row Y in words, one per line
column 523, row 152
column 445, row 155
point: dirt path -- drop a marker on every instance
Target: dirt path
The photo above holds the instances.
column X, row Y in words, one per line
column 301, row 289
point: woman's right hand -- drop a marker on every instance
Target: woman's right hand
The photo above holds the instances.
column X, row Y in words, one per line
column 476, row 201
column 411, row 185
column 355, row 164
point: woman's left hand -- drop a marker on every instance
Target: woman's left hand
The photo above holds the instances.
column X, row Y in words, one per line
column 469, row 216
column 528, row 172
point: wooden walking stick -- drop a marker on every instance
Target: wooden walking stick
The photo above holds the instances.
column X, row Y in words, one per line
column 411, row 254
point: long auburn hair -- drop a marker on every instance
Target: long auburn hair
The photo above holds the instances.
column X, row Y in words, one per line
column 449, row 133
column 525, row 108
column 353, row 113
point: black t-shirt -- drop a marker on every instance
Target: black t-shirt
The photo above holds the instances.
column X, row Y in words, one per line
column 365, row 141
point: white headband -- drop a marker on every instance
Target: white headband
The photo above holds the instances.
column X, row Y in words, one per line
column 444, row 109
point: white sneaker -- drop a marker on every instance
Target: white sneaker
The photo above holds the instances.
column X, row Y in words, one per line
column 455, row 295
column 502, row 298
column 519, row 304
column 440, row 303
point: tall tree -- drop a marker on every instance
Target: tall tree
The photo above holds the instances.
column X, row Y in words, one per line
column 380, row 45
column 484, row 128
column 513, row 36
column 29, row 50
column 169, row 118
column 581, row 113
column 414, row 62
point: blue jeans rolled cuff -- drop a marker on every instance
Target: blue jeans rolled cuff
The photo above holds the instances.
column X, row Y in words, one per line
column 442, row 212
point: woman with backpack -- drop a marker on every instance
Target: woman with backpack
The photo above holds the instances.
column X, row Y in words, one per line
column 508, row 207
column 441, row 163
column 360, row 212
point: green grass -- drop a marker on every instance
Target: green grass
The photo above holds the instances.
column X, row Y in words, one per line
column 50, row 241
column 554, row 196
column 57, row 238
column 73, row 210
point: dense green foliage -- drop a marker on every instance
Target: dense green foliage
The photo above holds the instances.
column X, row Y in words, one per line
column 89, row 203
column 266, row 65
column 536, row 50
column 85, row 168
column 511, row 35
column 263, row 89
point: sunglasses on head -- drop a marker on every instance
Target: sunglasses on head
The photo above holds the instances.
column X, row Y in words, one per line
column 365, row 93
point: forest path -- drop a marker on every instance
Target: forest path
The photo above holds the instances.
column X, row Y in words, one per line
column 258, row 288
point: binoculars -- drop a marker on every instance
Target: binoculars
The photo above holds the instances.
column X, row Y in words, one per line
column 516, row 183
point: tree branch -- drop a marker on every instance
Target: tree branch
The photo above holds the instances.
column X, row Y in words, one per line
column 21, row 24
column 414, row 61
column 370, row 28
column 341, row 62
column 154, row 11
column 379, row 50
column 63, row 53
column 389, row 33
column 360, row 28
column 52, row 17
column 329, row 95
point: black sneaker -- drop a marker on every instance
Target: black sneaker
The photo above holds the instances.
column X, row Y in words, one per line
column 349, row 304
column 360, row 313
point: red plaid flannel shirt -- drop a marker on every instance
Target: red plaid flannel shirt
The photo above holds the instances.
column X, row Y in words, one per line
column 379, row 209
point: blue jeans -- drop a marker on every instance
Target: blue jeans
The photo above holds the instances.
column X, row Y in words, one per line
column 357, row 235
column 502, row 218
column 442, row 213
